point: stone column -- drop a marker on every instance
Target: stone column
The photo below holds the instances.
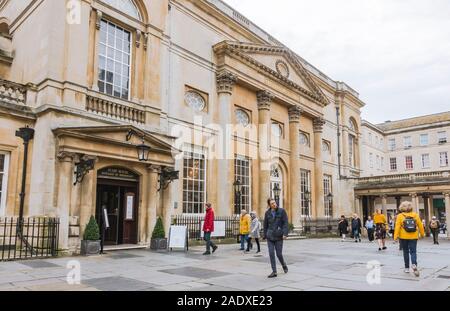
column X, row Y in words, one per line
column 225, row 167
column 318, row 168
column 153, row 199
column 384, row 204
column 359, row 206
column 294, row 139
column 264, row 155
column 427, row 213
column 87, row 208
column 414, row 200
column 447, row 211
column 65, row 185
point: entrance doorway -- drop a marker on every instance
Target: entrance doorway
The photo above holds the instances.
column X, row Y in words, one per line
column 117, row 199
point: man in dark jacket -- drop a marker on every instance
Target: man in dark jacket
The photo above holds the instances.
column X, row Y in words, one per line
column 208, row 228
column 356, row 228
column 276, row 229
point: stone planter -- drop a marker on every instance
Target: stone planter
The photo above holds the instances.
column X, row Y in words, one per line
column 89, row 248
column 158, row 244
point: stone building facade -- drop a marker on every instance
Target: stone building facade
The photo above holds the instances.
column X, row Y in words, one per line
column 213, row 96
column 407, row 160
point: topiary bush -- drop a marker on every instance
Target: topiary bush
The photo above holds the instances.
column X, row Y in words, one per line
column 158, row 231
column 92, row 231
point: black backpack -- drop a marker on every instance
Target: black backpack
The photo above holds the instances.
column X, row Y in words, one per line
column 410, row 224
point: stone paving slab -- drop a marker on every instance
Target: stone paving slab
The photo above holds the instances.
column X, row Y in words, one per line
column 195, row 272
column 117, row 284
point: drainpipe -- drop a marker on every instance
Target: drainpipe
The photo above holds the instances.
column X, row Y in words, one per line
column 338, row 142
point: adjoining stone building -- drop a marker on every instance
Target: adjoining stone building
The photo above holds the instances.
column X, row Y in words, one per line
column 406, row 160
column 97, row 78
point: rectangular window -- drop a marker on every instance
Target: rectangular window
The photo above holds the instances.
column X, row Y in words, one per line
column 371, row 160
column 4, row 164
column 242, row 172
column 382, row 163
column 392, row 144
column 351, row 150
column 378, row 162
column 327, row 192
column 407, row 142
column 442, row 137
column 425, row 161
column 443, row 158
column 194, row 181
column 114, row 60
column 409, row 163
column 424, row 139
column 393, row 164
column 305, row 190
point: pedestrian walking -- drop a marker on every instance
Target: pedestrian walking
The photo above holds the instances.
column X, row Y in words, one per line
column 391, row 226
column 244, row 228
column 409, row 228
column 255, row 229
column 276, row 229
column 356, row 228
column 370, row 229
column 343, row 227
column 208, row 229
column 380, row 229
column 435, row 228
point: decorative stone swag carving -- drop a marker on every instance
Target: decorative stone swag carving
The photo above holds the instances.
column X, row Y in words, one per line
column 264, row 99
column 225, row 82
column 12, row 93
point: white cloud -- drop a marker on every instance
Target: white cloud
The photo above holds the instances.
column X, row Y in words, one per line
column 395, row 53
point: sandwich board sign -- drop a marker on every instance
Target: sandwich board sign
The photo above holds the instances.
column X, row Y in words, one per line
column 178, row 237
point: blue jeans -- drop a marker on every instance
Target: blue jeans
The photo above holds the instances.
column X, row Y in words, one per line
column 409, row 248
column 244, row 238
column 276, row 247
column 209, row 243
column 356, row 234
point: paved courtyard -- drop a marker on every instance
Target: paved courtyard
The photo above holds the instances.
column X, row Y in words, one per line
column 319, row 264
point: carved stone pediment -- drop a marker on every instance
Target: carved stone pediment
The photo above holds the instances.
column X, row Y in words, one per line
column 279, row 63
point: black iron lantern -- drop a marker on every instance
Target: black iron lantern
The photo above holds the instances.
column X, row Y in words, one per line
column 143, row 151
column 330, row 197
column 237, row 186
column 307, row 196
column 276, row 191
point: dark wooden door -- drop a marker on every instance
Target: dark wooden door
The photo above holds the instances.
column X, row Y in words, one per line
column 130, row 216
column 108, row 197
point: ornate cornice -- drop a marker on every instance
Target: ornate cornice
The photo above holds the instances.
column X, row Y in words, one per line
column 294, row 114
column 318, row 124
column 264, row 99
column 241, row 50
column 225, row 82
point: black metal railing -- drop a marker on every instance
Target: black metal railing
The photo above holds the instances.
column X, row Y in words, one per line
column 194, row 223
column 30, row 238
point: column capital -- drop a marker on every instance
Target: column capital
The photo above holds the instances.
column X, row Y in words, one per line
column 294, row 114
column 413, row 195
column 446, row 194
column 225, row 82
column 318, row 124
column 154, row 168
column 264, row 99
column 65, row 156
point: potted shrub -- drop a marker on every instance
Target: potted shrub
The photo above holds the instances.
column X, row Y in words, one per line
column 90, row 245
column 158, row 240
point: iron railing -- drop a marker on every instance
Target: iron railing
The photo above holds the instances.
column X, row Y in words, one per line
column 193, row 223
column 30, row 238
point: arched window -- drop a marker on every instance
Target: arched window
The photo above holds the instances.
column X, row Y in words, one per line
column 352, row 125
column 304, row 139
column 126, row 6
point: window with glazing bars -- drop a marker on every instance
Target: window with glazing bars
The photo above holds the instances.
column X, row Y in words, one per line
column 194, row 182
column 242, row 172
column 305, row 187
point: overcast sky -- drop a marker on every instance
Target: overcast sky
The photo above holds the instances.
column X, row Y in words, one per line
column 395, row 53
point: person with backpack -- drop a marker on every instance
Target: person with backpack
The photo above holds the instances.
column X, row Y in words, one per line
column 380, row 229
column 409, row 228
column 435, row 227
column 356, row 228
column 244, row 229
column 255, row 229
column 370, row 229
column 343, row 227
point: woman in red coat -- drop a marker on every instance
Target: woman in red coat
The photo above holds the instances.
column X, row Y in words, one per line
column 208, row 229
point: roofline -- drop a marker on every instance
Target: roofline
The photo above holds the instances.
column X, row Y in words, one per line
column 412, row 118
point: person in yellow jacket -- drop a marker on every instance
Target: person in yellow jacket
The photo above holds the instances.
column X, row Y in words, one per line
column 409, row 228
column 379, row 219
column 244, row 228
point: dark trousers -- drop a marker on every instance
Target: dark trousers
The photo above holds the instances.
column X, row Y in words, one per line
column 370, row 234
column 276, row 247
column 435, row 233
column 209, row 243
column 409, row 249
column 249, row 245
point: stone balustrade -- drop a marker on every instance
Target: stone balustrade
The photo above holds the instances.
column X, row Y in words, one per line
column 114, row 110
column 12, row 93
column 414, row 177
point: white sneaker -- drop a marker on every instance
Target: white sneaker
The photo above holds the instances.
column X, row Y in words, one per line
column 416, row 271
column 406, row 270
